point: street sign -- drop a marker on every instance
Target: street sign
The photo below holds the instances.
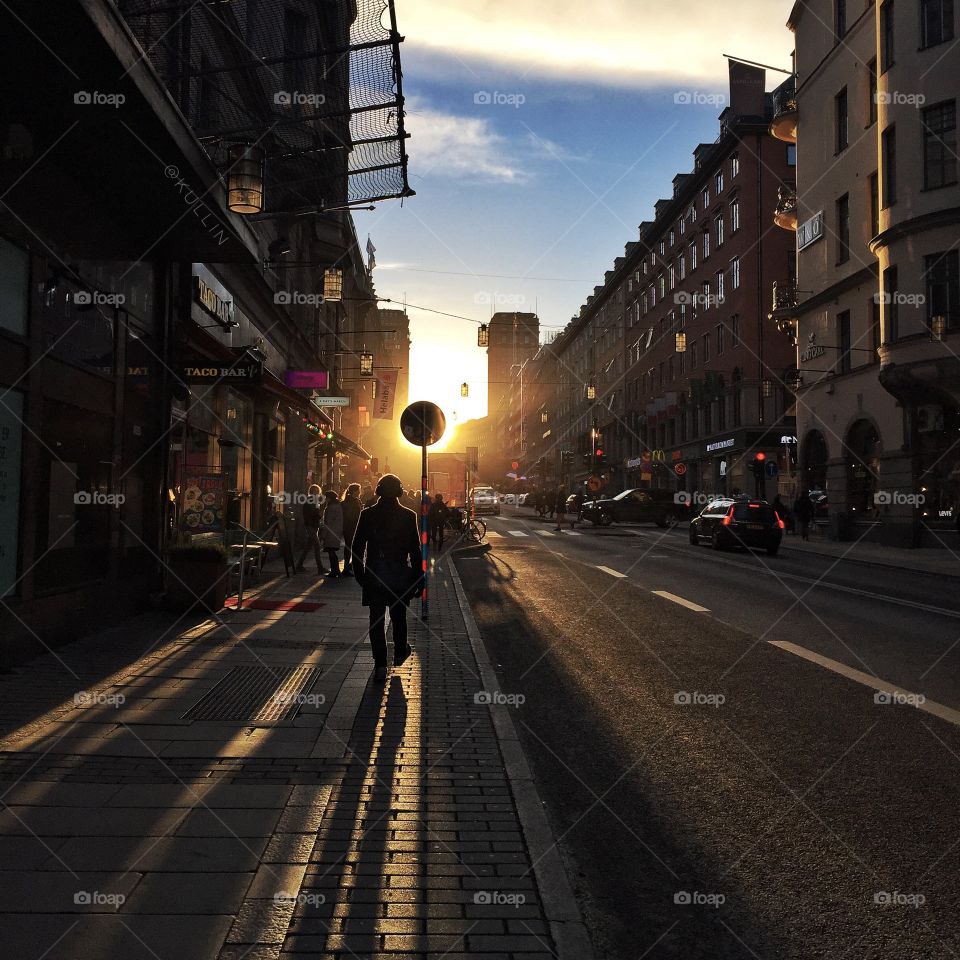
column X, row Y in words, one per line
column 594, row 484
column 422, row 423
column 772, row 468
column 331, row 401
column 204, row 372
column 680, row 469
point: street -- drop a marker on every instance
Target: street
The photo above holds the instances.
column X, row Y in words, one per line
column 683, row 756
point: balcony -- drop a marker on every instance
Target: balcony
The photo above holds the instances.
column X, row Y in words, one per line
column 784, row 313
column 785, row 115
column 785, row 213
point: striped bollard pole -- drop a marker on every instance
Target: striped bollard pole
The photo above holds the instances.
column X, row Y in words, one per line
column 424, row 536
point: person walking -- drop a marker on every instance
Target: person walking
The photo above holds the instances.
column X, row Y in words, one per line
column 437, row 520
column 351, row 516
column 551, row 502
column 333, row 531
column 388, row 566
column 312, row 521
column 560, row 506
column 803, row 511
column 578, row 503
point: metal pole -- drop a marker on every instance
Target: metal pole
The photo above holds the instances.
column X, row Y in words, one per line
column 424, row 537
column 243, row 567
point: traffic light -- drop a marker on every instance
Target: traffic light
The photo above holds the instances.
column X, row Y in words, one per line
column 758, row 466
column 599, row 458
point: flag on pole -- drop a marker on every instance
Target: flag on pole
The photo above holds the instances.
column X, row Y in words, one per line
column 371, row 251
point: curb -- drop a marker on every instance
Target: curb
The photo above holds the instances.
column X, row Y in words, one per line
column 559, row 904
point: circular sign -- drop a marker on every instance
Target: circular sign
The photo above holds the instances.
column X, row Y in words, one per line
column 514, row 465
column 594, row 484
column 422, row 423
column 646, row 456
column 680, row 469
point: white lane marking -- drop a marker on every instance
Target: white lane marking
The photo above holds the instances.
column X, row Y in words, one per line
column 895, row 692
column 544, row 533
column 683, row 603
column 571, row 533
column 518, row 533
column 494, row 534
column 613, row 573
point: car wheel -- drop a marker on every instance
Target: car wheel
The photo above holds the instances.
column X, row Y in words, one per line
column 715, row 541
column 668, row 521
column 694, row 539
column 605, row 519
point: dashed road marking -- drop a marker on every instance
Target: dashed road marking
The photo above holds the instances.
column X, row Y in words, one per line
column 613, row 573
column 695, row 607
column 571, row 533
column 895, row 694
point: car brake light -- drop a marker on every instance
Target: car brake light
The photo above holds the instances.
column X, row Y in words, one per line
column 780, row 523
column 728, row 519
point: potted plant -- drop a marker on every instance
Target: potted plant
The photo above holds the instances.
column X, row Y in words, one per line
column 197, row 576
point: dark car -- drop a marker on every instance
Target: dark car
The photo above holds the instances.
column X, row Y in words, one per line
column 727, row 523
column 636, row 506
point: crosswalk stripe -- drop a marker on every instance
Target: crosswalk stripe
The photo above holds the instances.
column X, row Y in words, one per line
column 494, row 534
column 571, row 533
column 544, row 533
column 518, row 533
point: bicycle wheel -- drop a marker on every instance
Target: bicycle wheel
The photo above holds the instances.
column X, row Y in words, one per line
column 476, row 531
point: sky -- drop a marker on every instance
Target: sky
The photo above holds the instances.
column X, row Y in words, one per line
column 542, row 134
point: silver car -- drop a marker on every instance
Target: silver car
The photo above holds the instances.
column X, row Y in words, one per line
column 484, row 500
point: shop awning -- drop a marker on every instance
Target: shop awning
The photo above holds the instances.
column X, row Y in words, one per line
column 350, row 448
column 274, row 385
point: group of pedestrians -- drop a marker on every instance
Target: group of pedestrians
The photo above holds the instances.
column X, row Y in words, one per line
column 330, row 524
column 801, row 514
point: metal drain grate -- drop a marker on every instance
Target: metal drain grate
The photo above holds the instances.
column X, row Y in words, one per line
column 256, row 695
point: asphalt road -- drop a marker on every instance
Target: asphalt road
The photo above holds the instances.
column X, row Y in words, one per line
column 718, row 790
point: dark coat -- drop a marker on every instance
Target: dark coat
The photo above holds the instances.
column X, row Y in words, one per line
column 386, row 553
column 351, row 516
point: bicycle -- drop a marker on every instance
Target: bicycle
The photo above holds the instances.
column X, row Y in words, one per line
column 472, row 530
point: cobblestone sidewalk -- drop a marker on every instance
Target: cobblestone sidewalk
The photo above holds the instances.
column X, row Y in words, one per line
column 239, row 789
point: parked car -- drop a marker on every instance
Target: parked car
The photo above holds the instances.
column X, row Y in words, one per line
column 484, row 500
column 727, row 523
column 636, row 506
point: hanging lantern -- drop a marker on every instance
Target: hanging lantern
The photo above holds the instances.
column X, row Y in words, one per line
column 938, row 327
column 464, row 389
column 681, row 343
column 591, row 392
column 483, row 336
column 767, row 388
column 333, row 284
column 245, row 178
column 543, row 417
column 366, row 364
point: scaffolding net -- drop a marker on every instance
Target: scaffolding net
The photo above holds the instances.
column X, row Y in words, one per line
column 315, row 84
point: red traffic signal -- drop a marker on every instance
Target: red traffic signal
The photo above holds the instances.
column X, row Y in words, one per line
column 761, row 457
column 599, row 452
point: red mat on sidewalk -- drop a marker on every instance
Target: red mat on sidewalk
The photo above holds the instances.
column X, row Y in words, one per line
column 300, row 606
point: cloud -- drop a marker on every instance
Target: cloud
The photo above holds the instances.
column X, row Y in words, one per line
column 445, row 144
column 625, row 42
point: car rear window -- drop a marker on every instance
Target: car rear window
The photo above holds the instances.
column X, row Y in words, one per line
column 753, row 512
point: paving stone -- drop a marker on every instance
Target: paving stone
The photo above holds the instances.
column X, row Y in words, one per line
column 188, row 893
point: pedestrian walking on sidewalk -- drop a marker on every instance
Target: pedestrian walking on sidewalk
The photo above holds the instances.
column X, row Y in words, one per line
column 560, row 507
column 351, row 517
column 437, row 520
column 312, row 521
column 333, row 531
column 803, row 511
column 388, row 566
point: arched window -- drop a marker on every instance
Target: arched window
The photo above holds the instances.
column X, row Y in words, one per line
column 862, row 453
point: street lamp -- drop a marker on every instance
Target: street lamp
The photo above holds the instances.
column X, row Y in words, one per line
column 766, row 387
column 244, row 178
column 483, row 336
column 366, row 364
column 333, row 284
column 464, row 389
column 938, row 327
column 591, row 392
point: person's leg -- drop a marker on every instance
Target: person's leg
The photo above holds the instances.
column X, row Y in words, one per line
column 334, row 563
column 318, row 552
column 347, row 560
column 398, row 619
column 378, row 638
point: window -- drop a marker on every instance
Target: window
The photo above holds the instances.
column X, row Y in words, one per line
column 889, row 147
column 735, row 273
column 706, row 244
column 673, row 238
column 719, row 228
column 693, row 257
column 706, row 348
column 734, row 165
column 705, row 197
column 791, row 154
column 737, row 407
column 721, row 286
column 840, row 18
column 942, row 272
column 886, row 36
column 940, row 145
column 719, row 339
column 843, row 338
column 653, row 296
column 705, row 294
column 735, row 330
column 661, row 283
column 874, row 204
column 719, row 183
column 843, row 228
column 891, row 286
column 693, row 213
column 735, row 216
column 872, row 92
column 662, row 248
column 841, row 121
column 936, row 22
column 645, row 303
column 683, row 267
column 673, row 276
column 646, row 268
